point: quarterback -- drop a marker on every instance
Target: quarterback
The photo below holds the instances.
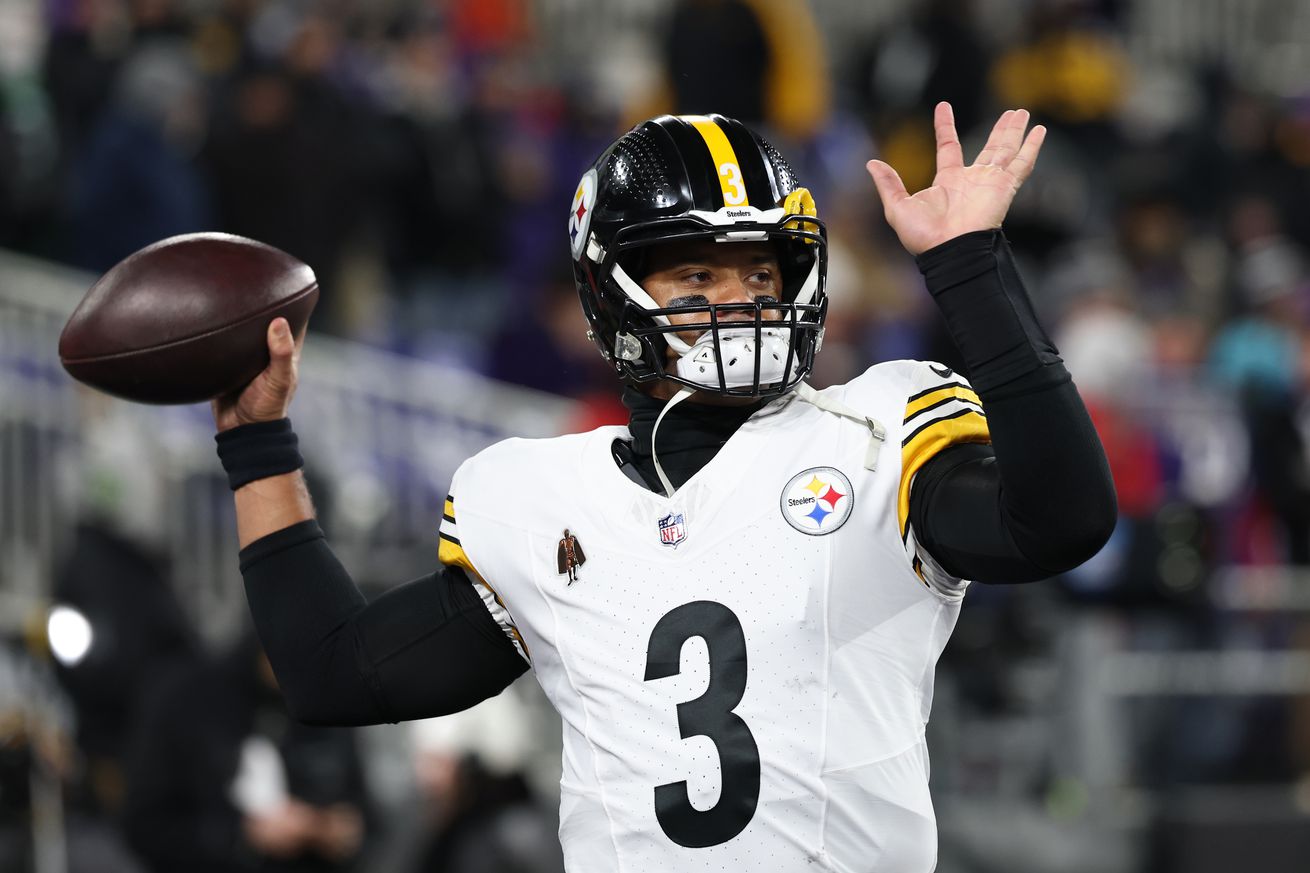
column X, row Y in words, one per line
column 737, row 601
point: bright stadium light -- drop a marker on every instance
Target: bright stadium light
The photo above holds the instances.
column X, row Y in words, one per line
column 70, row 635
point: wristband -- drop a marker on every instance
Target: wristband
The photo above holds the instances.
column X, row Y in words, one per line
column 258, row 450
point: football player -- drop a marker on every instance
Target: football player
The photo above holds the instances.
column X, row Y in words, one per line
column 743, row 655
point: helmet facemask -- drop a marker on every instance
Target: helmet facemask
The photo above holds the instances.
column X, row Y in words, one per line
column 763, row 355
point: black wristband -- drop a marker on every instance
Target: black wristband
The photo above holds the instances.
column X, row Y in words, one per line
column 258, row 450
column 975, row 283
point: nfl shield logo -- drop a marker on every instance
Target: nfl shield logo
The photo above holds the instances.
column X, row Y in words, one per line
column 673, row 529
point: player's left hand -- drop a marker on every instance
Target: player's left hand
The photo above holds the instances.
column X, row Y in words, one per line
column 961, row 199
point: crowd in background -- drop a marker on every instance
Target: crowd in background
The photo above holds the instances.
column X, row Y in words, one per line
column 420, row 157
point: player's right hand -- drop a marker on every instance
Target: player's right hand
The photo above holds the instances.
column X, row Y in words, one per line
column 268, row 396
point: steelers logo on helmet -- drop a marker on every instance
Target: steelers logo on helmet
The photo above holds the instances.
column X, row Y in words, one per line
column 817, row 501
column 580, row 212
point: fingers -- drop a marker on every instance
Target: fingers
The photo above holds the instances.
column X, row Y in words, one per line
column 283, row 350
column 988, row 154
column 1005, row 138
column 1009, row 149
column 1022, row 165
column 280, row 342
column 891, row 190
column 949, row 154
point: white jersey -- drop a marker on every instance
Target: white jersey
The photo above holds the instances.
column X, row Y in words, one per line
column 744, row 670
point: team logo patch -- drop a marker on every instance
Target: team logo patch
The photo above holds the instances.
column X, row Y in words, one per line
column 673, row 529
column 580, row 212
column 817, row 501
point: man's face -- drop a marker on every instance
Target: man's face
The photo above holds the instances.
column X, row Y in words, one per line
column 705, row 272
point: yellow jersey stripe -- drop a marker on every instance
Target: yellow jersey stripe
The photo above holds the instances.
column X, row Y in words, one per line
column 452, row 554
column 725, row 160
column 966, row 427
column 946, row 392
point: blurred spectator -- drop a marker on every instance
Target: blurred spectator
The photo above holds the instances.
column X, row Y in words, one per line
column 1263, row 357
column 1069, row 70
column 287, row 155
column 135, row 182
column 138, row 631
column 222, row 779
column 489, row 26
column 471, row 769
column 717, row 56
column 546, row 347
column 935, row 53
column 1165, row 253
column 86, row 44
column 113, row 577
column 758, row 61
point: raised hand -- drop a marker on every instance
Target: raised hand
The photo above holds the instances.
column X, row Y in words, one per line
column 268, row 395
column 961, row 199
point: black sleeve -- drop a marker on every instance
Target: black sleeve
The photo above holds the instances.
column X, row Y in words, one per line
column 426, row 648
column 1040, row 499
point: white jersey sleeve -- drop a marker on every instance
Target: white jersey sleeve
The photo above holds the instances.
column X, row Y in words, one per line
column 941, row 410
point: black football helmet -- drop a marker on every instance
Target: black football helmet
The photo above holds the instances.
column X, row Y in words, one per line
column 687, row 178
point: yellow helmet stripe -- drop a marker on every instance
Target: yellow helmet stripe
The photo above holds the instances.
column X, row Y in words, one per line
column 724, row 157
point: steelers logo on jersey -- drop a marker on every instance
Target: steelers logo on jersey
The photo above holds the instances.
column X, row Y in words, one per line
column 818, row 501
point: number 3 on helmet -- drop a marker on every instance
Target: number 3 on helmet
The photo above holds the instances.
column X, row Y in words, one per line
column 690, row 178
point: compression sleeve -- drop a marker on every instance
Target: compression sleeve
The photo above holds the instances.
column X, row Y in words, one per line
column 426, row 648
column 1040, row 499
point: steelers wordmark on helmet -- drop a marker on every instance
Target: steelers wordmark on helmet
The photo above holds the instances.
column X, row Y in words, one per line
column 817, row 501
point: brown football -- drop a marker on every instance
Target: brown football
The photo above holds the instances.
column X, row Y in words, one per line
column 185, row 319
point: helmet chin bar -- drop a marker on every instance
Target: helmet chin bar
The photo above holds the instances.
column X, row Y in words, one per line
column 739, row 358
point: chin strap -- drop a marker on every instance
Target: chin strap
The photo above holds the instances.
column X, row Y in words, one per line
column 877, row 433
column 683, row 394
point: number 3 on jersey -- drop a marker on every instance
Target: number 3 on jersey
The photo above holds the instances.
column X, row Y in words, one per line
column 709, row 715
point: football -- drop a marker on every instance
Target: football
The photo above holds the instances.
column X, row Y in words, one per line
column 185, row 319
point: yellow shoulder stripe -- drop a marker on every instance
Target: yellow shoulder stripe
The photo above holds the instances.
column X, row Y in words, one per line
column 946, row 392
column 724, row 157
column 970, row 427
column 452, row 554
